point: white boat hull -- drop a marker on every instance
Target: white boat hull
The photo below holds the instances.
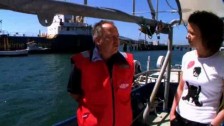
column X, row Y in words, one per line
column 23, row 52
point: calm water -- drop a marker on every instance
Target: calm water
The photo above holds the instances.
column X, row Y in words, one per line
column 33, row 88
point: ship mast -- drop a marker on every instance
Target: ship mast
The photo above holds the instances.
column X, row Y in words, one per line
column 85, row 3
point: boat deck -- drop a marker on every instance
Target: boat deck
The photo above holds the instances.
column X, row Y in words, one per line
column 161, row 119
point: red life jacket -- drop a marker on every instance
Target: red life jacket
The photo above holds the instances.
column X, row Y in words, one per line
column 106, row 100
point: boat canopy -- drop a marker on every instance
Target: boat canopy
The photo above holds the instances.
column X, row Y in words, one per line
column 187, row 7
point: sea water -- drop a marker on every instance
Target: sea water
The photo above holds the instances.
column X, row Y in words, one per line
column 33, row 88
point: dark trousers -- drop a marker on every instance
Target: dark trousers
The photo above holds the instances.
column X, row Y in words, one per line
column 180, row 121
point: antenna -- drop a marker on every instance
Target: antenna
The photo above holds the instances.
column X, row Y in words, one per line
column 133, row 7
column 0, row 26
column 85, row 2
column 157, row 9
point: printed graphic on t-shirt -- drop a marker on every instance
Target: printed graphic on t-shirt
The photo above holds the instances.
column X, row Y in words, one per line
column 193, row 94
column 190, row 64
column 196, row 71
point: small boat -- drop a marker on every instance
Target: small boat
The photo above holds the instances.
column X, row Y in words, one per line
column 33, row 48
column 22, row 52
column 8, row 50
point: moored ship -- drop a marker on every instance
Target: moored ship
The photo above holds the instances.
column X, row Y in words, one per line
column 67, row 34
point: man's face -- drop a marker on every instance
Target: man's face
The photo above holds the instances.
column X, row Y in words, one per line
column 109, row 41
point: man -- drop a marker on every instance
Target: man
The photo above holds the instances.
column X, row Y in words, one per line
column 101, row 80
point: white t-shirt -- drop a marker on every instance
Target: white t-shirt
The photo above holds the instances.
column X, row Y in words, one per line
column 203, row 86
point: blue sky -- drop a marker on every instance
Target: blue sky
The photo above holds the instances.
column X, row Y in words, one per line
column 22, row 23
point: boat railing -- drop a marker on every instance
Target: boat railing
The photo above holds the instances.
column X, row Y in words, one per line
column 149, row 78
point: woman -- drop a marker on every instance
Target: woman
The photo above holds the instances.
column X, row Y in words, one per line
column 199, row 92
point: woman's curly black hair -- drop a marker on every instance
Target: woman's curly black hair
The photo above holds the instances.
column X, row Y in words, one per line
column 211, row 28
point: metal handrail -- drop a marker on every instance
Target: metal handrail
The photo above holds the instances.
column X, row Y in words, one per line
column 166, row 65
column 148, row 73
column 156, row 87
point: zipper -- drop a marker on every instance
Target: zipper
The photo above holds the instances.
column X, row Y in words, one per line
column 110, row 72
column 113, row 104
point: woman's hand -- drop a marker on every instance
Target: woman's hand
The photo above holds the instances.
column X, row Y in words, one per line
column 172, row 116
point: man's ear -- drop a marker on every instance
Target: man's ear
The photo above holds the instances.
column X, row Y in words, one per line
column 97, row 41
